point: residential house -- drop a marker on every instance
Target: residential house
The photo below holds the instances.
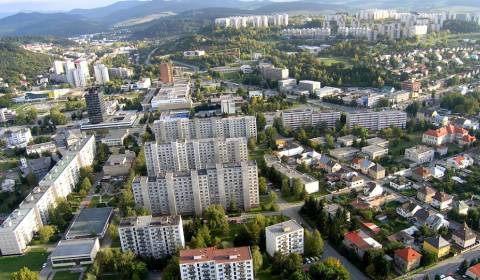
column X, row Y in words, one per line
column 402, row 237
column 437, row 245
column 436, row 221
column 408, row 209
column 308, row 158
column 355, row 182
column 442, row 201
column 438, row 171
column 426, row 194
column 407, row 259
column 360, row 242
column 460, row 161
column 420, row 154
column 362, row 164
column 376, row 172
column 370, row 228
column 372, row 191
column 421, row 216
column 473, row 272
column 464, row 236
column 421, row 173
column 327, row 164
column 460, row 207
column 400, row 183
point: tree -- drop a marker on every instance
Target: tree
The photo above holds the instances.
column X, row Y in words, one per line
column 293, row 262
column 298, row 188
column 198, row 242
column 261, row 121
column 257, row 259
column 172, row 270
column 412, row 109
column 428, row 258
column 299, row 275
column 330, row 269
column 57, row 117
column 313, row 244
column 25, row 274
column 251, row 144
column 383, row 102
column 85, row 186
column 262, row 185
column 46, row 233
column 216, row 220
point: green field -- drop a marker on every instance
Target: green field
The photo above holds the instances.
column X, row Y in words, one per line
column 33, row 260
column 66, row 275
column 328, row 61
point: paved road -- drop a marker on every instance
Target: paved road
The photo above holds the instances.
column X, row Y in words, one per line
column 149, row 56
column 448, row 266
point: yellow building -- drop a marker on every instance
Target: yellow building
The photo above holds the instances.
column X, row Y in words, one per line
column 437, row 245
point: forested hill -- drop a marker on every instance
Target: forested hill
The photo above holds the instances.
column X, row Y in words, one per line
column 14, row 60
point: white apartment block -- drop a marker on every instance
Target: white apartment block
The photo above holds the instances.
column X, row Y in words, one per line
column 377, row 120
column 7, row 115
column 41, row 148
column 193, row 154
column 420, row 154
column 309, row 33
column 101, row 74
column 286, row 237
column 216, row 264
column 375, row 14
column 261, row 21
column 273, row 73
column 149, row 236
column 172, row 129
column 308, row 117
column 310, row 86
column 190, row 192
column 357, row 32
column 120, row 72
column 18, row 138
column 18, row 229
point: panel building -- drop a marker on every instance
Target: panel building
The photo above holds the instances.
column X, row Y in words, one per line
column 20, row 226
column 286, row 237
column 193, row 154
column 216, row 264
column 377, row 120
column 309, row 118
column 190, row 192
column 149, row 236
column 101, row 74
column 166, row 73
column 95, row 105
column 169, row 129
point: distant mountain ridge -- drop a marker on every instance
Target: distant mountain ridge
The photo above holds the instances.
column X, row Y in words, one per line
column 81, row 21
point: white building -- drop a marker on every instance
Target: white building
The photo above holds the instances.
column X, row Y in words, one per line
column 75, row 252
column 120, row 72
column 286, row 237
column 227, row 106
column 377, row 120
column 7, row 115
column 149, row 236
column 18, row 138
column 216, row 264
column 172, row 129
column 420, row 154
column 309, row 118
column 101, row 74
column 190, row 192
column 193, row 154
column 310, row 86
column 19, row 227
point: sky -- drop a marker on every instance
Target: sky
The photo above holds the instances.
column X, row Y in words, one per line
column 14, row 6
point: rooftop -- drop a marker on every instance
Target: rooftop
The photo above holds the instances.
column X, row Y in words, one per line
column 237, row 254
column 143, row 221
column 90, row 222
column 74, row 248
column 407, row 254
column 285, row 227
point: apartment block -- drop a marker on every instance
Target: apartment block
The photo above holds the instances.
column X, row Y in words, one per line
column 149, row 236
column 169, row 129
column 286, row 237
column 20, row 226
column 190, row 192
column 308, row 117
column 377, row 120
column 193, row 154
column 216, row 264
column 273, row 73
column 18, row 138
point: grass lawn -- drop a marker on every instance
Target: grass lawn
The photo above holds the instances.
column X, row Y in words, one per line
column 397, row 148
column 66, row 275
column 8, row 164
column 409, row 192
column 266, row 274
column 33, row 260
column 333, row 60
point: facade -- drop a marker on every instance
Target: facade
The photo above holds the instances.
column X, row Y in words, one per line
column 149, row 236
column 407, row 259
column 377, row 120
column 190, row 192
column 310, row 86
column 460, row 161
column 120, row 72
column 193, row 154
column 464, row 236
column 286, row 237
column 309, row 118
column 95, row 106
column 420, row 154
column 437, row 245
column 360, row 242
column 20, row 226
column 101, row 74
column 166, row 73
column 41, row 148
column 75, row 252
column 18, row 138
column 115, row 137
column 375, row 151
column 270, row 72
column 442, row 201
column 426, row 194
column 216, row 264
column 7, row 115
column 173, row 129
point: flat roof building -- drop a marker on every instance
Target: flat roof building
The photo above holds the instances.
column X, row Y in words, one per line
column 285, row 237
column 75, row 252
column 91, row 222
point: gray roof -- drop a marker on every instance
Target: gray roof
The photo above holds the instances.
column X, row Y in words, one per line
column 66, row 248
column 90, row 222
column 437, row 241
column 465, row 233
column 285, row 227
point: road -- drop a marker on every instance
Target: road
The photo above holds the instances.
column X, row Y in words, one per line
column 149, row 56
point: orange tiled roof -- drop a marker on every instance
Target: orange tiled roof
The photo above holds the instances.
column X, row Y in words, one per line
column 408, row 254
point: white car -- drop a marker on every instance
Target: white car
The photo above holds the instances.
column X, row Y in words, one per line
column 44, row 265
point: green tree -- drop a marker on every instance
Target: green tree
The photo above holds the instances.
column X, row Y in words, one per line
column 25, row 274
column 252, row 144
column 46, row 233
column 172, row 270
column 313, row 244
column 262, row 185
column 216, row 220
column 261, row 121
column 57, row 117
column 257, row 259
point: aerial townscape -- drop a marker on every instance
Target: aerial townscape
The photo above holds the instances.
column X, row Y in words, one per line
column 239, row 140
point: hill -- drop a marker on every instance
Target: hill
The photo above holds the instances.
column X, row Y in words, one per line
column 57, row 24
column 15, row 60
